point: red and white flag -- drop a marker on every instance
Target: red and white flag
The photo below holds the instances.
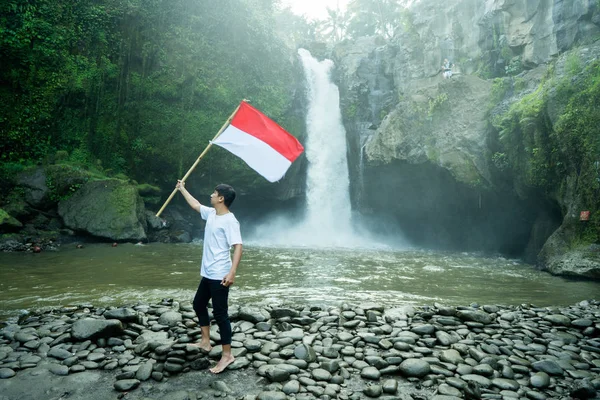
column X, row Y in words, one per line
column 264, row 145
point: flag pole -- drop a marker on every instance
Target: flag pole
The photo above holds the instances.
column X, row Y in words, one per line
column 199, row 158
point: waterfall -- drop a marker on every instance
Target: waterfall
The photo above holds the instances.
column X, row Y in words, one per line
column 328, row 185
column 327, row 220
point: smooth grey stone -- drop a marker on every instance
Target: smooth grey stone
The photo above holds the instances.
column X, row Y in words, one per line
column 271, row 395
column 95, row 357
column 480, row 380
column 294, row 334
column 437, row 370
column 582, row 322
column 291, row 387
column 305, row 352
column 275, row 374
column 474, row 316
column 373, row 391
column 24, row 337
column 252, row 345
column 170, row 318
column 89, row 328
column 144, row 372
column 122, row 314
column 6, row 373
column 113, row 341
column 390, row 386
column 268, row 348
column 451, row 356
column 456, row 382
column 60, row 354
column 351, row 324
column 330, row 352
column 414, row 367
column 126, row 385
column 447, row 390
column 425, row 329
column 370, row 373
column 464, row 369
column 505, row 384
column 445, row 339
column 319, row 374
column 76, row 368
column 540, row 380
column 548, row 366
column 330, row 366
column 483, row 369
column 283, row 312
column 58, row 369
column 173, row 367
column 532, row 394
column 558, row 319
column 239, row 363
column 30, row 359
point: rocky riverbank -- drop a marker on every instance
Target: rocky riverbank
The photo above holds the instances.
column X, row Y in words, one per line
column 347, row 352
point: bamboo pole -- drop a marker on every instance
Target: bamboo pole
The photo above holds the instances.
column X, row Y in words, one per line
column 199, row 158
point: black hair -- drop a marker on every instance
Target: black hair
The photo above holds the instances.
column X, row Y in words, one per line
column 227, row 192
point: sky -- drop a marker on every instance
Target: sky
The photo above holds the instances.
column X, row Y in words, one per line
column 314, row 9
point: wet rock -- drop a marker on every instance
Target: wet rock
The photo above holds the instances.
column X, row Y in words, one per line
column 126, row 385
column 88, row 328
column 271, row 395
column 583, row 389
column 170, row 318
column 6, row 373
column 305, row 352
column 122, row 314
column 57, row 369
column 414, row 367
column 291, row 387
column 474, row 316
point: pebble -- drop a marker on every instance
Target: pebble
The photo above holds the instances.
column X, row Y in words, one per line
column 478, row 351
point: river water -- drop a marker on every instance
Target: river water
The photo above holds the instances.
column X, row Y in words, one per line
column 103, row 275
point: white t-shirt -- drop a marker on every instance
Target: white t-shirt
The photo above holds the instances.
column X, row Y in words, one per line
column 221, row 232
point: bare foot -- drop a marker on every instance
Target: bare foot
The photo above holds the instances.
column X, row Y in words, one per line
column 222, row 364
column 203, row 346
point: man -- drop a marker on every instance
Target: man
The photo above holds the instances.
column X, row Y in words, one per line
column 218, row 270
column 447, row 69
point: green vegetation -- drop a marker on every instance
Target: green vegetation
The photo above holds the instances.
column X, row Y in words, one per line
column 136, row 87
column 546, row 155
column 437, row 105
column 499, row 89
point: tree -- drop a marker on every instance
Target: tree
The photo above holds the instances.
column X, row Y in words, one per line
column 369, row 17
column 334, row 27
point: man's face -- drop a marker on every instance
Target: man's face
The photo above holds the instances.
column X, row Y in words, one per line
column 215, row 198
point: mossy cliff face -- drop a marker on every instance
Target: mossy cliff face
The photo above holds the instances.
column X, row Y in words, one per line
column 497, row 157
column 550, row 139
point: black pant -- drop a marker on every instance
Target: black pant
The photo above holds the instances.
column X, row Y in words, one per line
column 210, row 288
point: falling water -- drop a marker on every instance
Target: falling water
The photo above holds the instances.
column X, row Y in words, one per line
column 327, row 186
column 328, row 218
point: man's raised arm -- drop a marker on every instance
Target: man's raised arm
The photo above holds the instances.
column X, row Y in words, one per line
column 195, row 204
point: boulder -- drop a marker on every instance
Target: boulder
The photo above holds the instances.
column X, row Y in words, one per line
column 8, row 223
column 110, row 209
column 89, row 328
column 37, row 192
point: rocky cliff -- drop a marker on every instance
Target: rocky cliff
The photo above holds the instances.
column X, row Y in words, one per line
column 442, row 150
